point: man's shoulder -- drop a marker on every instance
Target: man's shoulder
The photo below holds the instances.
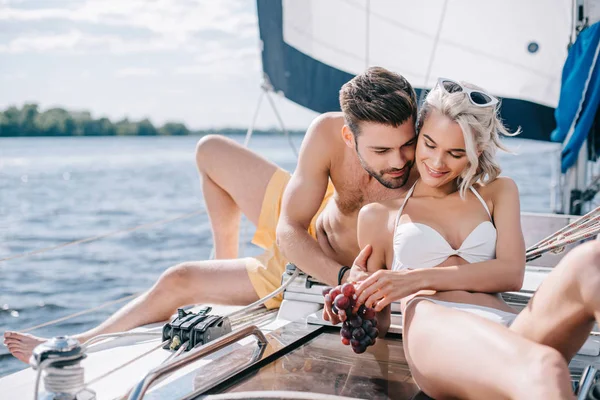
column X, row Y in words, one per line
column 324, row 133
column 327, row 124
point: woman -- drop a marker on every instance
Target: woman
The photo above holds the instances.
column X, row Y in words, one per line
column 454, row 241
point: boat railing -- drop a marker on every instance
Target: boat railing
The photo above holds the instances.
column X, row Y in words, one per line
column 196, row 354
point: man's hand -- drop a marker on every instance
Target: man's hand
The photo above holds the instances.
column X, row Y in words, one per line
column 358, row 272
column 329, row 315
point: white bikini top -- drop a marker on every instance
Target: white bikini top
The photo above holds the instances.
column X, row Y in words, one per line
column 420, row 246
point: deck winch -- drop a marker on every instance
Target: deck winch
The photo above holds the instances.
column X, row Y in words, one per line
column 194, row 329
column 59, row 360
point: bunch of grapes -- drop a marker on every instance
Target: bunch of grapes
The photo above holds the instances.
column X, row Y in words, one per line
column 359, row 329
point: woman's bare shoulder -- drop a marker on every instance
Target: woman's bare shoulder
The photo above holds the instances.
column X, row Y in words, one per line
column 500, row 186
column 380, row 214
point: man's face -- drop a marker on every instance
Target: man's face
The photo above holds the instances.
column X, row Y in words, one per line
column 387, row 153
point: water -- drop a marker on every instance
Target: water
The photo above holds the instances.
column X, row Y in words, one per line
column 55, row 190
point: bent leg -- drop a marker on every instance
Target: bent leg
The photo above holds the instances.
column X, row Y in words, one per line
column 562, row 311
column 234, row 180
column 215, row 281
column 454, row 354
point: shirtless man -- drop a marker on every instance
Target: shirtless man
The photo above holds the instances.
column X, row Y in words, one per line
column 365, row 152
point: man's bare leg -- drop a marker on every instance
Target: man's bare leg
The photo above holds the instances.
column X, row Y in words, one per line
column 216, row 281
column 234, row 180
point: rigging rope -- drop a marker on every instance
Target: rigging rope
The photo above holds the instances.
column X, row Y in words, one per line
column 583, row 228
column 77, row 314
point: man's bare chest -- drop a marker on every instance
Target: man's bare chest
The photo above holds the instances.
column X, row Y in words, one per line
column 352, row 194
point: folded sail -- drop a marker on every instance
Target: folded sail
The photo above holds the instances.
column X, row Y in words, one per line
column 515, row 49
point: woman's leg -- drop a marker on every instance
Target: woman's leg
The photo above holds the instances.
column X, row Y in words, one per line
column 454, row 354
column 563, row 310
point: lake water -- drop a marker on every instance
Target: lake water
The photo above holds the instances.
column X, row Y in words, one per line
column 56, row 190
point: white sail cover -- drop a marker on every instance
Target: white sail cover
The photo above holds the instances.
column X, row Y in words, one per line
column 513, row 48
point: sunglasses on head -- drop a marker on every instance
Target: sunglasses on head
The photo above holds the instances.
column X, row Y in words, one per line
column 476, row 96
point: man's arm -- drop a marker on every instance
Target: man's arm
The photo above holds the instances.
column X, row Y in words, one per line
column 301, row 201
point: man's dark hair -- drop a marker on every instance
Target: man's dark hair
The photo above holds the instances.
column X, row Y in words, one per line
column 377, row 95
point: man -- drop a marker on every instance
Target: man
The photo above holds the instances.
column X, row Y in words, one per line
column 363, row 154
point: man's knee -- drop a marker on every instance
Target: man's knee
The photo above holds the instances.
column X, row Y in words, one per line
column 208, row 147
column 177, row 277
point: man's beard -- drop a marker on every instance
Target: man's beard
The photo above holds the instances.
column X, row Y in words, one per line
column 390, row 183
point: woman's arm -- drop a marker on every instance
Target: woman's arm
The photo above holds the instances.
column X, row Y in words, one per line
column 374, row 229
column 506, row 271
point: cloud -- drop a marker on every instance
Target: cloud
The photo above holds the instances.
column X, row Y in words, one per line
column 134, row 71
column 15, row 75
column 221, row 61
column 175, row 23
column 78, row 42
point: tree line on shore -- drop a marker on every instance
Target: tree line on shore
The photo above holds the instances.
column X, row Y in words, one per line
column 30, row 121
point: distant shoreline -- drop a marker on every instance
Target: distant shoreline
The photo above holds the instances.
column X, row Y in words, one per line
column 228, row 132
column 29, row 121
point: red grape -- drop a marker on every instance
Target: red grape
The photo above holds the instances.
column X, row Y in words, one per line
column 367, row 324
column 358, row 333
column 341, row 302
column 369, row 313
column 356, row 321
column 346, row 341
column 359, row 349
column 346, row 333
column 348, row 290
column 334, row 292
column 326, row 290
column 373, row 333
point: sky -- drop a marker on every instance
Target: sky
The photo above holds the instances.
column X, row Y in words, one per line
column 191, row 61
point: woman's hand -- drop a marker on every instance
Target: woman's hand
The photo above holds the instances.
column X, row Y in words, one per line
column 384, row 287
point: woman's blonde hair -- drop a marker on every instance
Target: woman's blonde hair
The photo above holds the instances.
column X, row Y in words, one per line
column 481, row 127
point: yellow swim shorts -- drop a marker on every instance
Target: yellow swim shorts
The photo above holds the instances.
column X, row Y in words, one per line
column 265, row 270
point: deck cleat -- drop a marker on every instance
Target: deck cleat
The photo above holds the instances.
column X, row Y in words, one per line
column 194, row 329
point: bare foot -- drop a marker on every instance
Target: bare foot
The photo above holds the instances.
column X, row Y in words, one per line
column 21, row 345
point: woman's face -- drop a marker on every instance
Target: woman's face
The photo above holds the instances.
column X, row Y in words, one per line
column 441, row 154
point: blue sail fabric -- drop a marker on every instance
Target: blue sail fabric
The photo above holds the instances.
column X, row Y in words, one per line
column 581, row 64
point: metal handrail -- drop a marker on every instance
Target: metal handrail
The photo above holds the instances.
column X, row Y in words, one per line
column 589, row 377
column 140, row 389
column 277, row 395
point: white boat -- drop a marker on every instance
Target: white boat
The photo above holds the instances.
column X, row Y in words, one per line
column 292, row 353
